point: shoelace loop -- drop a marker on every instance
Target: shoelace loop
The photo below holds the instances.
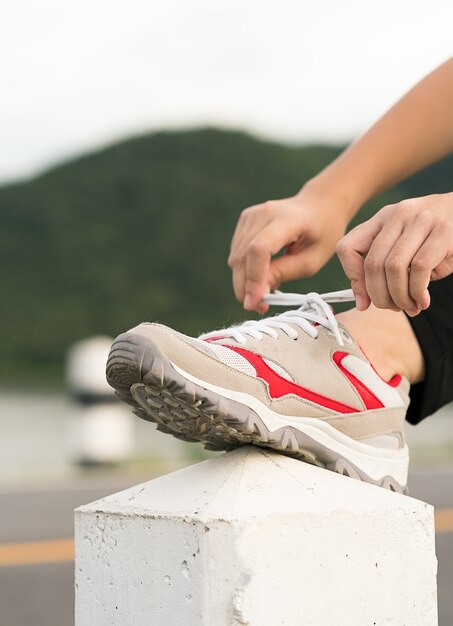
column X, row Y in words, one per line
column 313, row 309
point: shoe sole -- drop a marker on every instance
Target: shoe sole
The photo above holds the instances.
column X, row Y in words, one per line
column 145, row 378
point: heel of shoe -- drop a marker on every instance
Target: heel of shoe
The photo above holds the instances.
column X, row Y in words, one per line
column 128, row 361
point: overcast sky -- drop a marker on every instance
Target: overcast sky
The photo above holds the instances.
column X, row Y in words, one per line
column 77, row 75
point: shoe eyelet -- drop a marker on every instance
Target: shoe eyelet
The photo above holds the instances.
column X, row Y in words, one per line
column 347, row 337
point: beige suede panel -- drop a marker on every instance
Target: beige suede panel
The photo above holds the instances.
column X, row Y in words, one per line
column 305, row 358
column 370, row 423
column 197, row 361
column 301, row 357
column 199, row 364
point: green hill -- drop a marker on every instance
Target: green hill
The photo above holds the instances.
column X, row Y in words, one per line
column 141, row 231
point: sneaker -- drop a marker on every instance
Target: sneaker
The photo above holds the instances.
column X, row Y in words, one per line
column 296, row 382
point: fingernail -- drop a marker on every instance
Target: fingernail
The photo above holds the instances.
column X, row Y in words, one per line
column 359, row 302
column 420, row 306
column 248, row 302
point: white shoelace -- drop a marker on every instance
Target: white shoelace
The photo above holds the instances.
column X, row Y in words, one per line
column 313, row 309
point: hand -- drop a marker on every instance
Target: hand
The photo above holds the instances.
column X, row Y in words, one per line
column 308, row 224
column 391, row 258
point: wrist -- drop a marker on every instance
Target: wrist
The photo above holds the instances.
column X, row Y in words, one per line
column 338, row 196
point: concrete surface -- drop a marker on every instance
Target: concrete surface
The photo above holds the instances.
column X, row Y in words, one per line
column 255, row 538
column 43, row 594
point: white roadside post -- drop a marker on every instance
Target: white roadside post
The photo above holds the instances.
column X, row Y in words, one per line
column 102, row 428
column 259, row 539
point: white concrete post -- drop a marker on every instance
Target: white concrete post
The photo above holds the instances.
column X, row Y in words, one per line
column 258, row 539
column 102, row 429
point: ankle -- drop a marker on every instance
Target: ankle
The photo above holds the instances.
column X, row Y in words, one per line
column 387, row 340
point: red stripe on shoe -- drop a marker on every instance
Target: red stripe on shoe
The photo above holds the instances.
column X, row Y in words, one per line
column 368, row 397
column 209, row 339
column 395, row 381
column 279, row 386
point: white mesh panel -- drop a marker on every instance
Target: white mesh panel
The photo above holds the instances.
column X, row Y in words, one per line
column 233, row 359
column 366, row 374
column 279, row 369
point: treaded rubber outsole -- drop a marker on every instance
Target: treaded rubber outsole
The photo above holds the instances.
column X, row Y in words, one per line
column 144, row 378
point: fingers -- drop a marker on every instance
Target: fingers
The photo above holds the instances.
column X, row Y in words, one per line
column 262, row 231
column 260, row 250
column 290, row 265
column 391, row 259
column 304, row 224
column 402, row 263
column 251, row 221
column 256, row 272
column 376, row 266
column 398, row 266
column 429, row 258
column 352, row 250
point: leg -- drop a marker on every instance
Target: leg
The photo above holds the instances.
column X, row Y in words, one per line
column 388, row 341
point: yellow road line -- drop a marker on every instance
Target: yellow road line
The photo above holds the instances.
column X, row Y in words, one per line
column 36, row 552
column 444, row 520
column 62, row 550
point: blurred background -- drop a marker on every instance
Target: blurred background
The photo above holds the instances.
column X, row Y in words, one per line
column 132, row 136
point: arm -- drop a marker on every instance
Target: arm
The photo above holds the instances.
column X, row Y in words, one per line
column 417, row 131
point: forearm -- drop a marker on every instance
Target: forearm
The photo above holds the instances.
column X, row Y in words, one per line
column 414, row 133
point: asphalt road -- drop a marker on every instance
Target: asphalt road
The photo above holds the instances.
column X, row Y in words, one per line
column 41, row 594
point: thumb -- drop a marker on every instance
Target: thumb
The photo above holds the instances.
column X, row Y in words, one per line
column 292, row 266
